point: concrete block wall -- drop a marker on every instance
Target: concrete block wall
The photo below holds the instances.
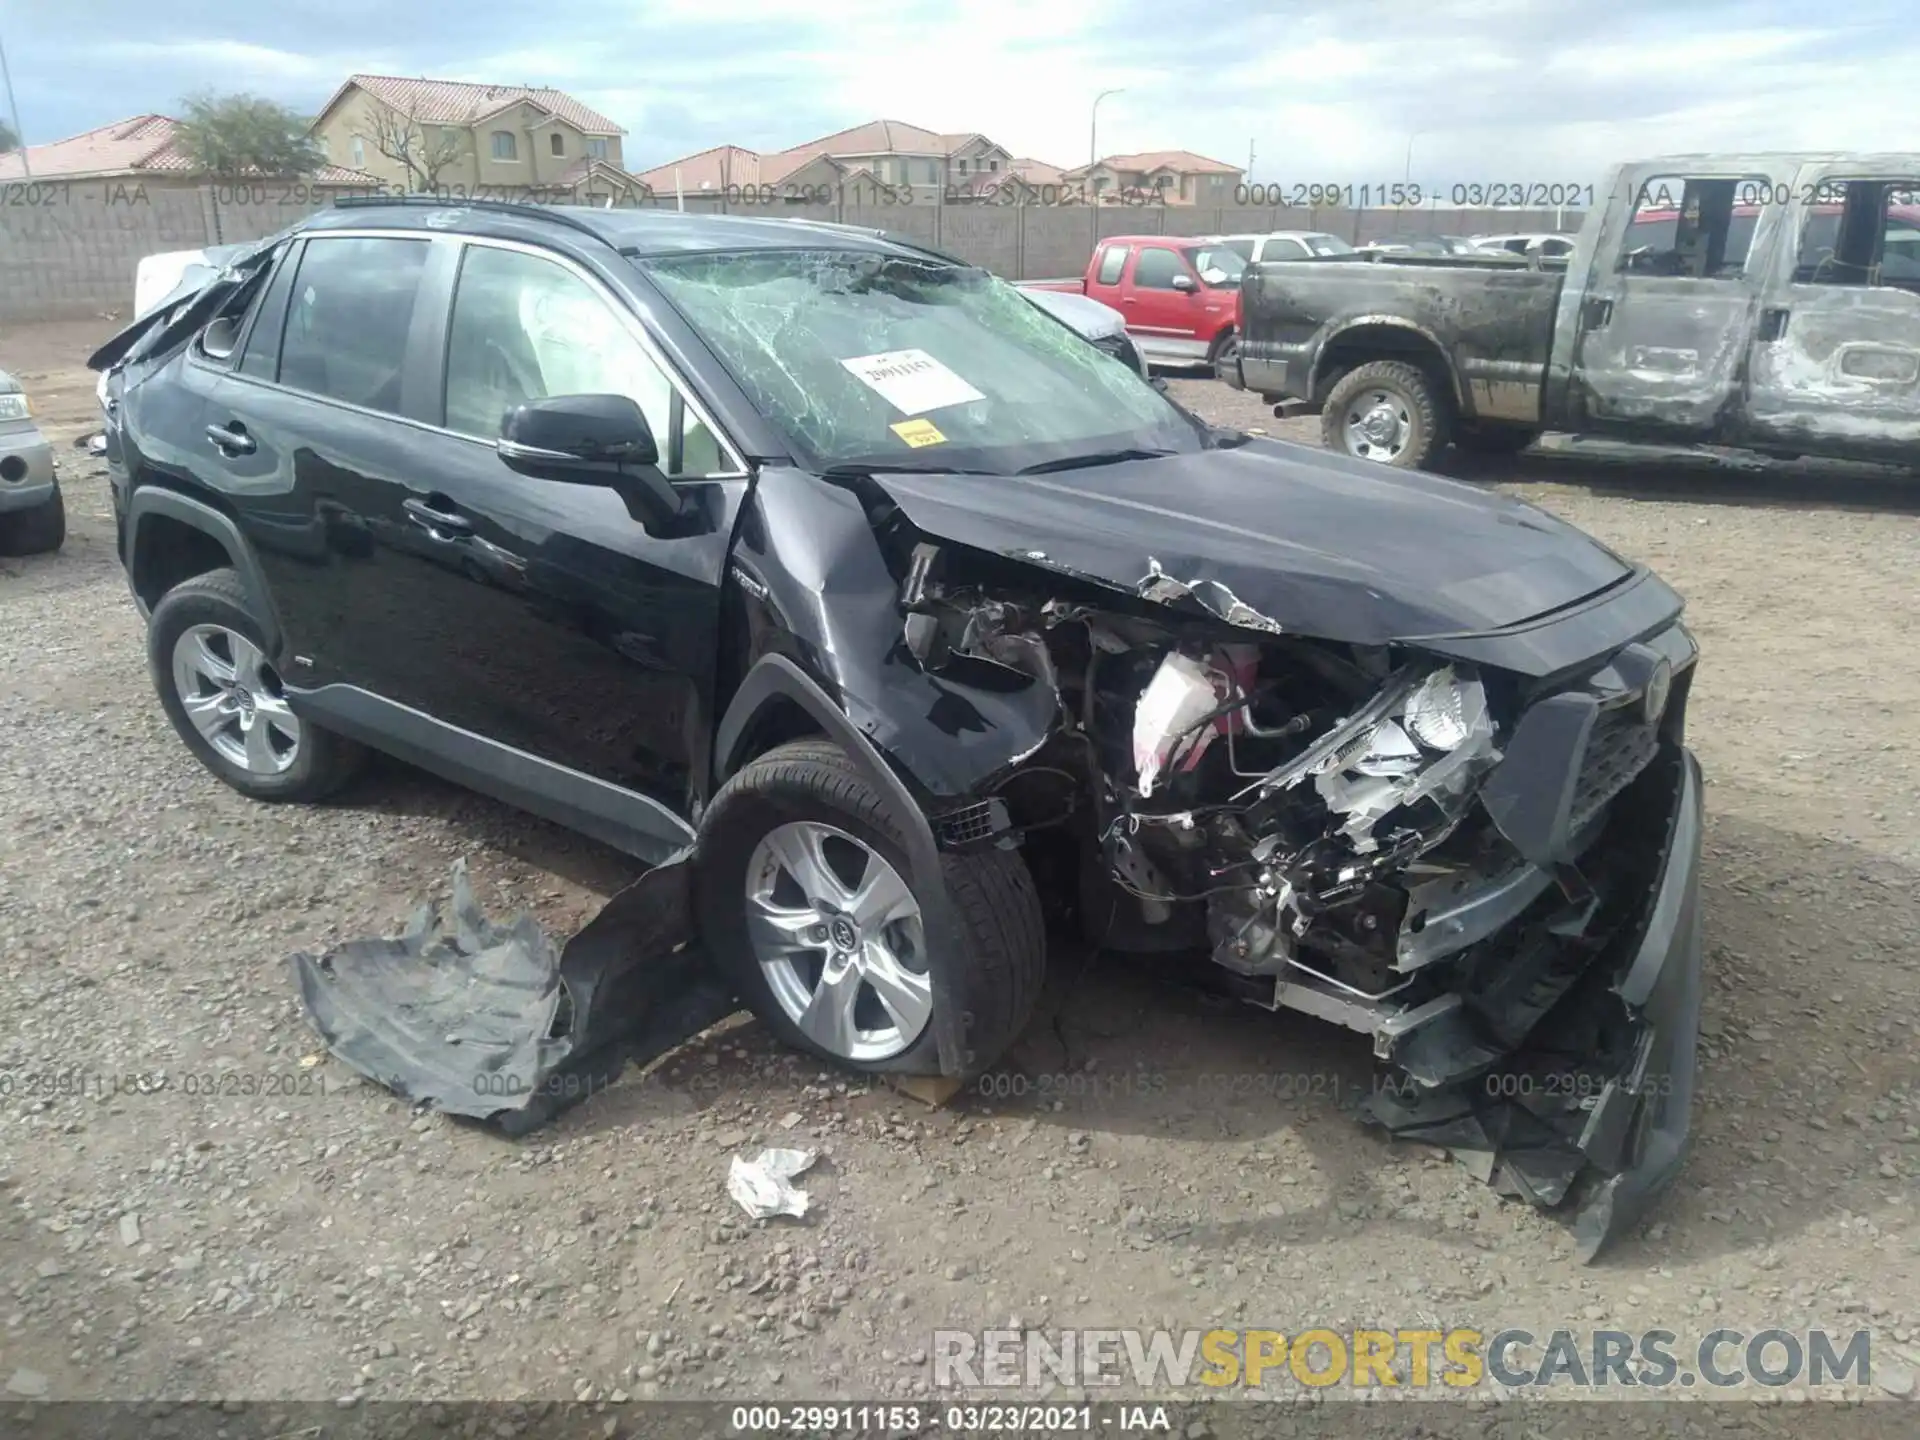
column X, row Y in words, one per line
column 68, row 250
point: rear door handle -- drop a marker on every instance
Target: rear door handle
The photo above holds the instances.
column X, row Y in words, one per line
column 1599, row 312
column 232, row 438
column 1773, row 324
column 439, row 523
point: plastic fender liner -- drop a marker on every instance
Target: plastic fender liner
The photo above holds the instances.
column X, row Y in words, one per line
column 776, row 675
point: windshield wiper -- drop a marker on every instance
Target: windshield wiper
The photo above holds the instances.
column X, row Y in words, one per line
column 850, row 467
column 1097, row 457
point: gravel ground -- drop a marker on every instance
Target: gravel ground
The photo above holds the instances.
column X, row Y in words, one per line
column 266, row 1226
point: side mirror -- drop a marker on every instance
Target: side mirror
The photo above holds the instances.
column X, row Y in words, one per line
column 1184, row 282
column 587, row 439
column 221, row 337
column 592, row 440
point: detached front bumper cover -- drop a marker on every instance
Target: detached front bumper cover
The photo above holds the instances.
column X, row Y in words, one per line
column 1527, row 1129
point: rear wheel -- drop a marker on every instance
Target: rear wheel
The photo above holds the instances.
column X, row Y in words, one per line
column 35, row 531
column 806, row 904
column 1225, row 355
column 1387, row 411
column 225, row 699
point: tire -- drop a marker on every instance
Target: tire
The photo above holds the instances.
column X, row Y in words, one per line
column 36, row 531
column 1224, row 355
column 1423, row 416
column 1494, row 439
column 813, row 786
column 211, row 609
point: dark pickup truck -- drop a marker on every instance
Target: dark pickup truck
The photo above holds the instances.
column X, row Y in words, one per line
column 1762, row 302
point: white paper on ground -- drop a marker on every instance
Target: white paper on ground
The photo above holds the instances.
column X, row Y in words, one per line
column 911, row 381
column 762, row 1185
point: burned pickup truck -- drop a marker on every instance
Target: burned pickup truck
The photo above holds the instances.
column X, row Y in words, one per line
column 1762, row 302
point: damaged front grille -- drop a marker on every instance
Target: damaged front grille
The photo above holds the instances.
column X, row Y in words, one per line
column 971, row 825
column 1620, row 746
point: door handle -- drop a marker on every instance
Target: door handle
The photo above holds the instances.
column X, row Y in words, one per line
column 437, row 523
column 1773, row 323
column 1599, row 312
column 232, row 439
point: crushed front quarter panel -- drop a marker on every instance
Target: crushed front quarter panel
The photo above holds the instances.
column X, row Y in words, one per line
column 806, row 551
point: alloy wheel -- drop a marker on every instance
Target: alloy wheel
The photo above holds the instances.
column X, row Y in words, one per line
column 839, row 938
column 233, row 697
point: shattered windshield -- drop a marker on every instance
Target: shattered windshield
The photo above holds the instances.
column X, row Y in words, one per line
column 906, row 362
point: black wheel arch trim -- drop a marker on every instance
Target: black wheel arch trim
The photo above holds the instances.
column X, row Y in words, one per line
column 151, row 500
column 775, row 676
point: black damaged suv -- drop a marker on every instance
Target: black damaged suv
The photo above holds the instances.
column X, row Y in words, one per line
column 832, row 569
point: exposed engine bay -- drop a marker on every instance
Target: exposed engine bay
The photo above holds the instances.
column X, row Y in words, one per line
column 1310, row 816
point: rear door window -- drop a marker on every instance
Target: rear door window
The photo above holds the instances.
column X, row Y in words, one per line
column 1112, row 261
column 262, row 356
column 351, row 311
column 1692, row 225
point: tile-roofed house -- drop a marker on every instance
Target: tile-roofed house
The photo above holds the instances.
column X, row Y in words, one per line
column 141, row 147
column 883, row 152
column 1177, row 177
column 421, row 134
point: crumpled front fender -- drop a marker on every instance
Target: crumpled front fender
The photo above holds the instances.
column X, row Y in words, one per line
column 807, row 558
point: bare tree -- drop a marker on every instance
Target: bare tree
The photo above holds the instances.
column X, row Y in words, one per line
column 400, row 135
column 8, row 140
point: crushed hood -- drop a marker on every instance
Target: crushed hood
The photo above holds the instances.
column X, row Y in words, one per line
column 1279, row 537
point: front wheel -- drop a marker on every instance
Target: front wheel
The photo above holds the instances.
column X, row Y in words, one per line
column 37, row 531
column 1387, row 411
column 806, row 904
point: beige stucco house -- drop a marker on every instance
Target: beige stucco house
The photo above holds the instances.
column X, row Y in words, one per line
column 1170, row 177
column 884, row 152
column 419, row 134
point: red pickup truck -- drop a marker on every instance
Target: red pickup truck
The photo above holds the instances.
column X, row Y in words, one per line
column 1180, row 296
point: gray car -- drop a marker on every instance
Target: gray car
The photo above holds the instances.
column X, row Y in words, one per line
column 32, row 515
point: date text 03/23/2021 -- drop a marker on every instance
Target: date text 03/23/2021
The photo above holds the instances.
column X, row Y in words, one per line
column 74, row 1082
column 963, row 1419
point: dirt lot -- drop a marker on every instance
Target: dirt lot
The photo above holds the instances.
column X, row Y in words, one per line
column 328, row 1244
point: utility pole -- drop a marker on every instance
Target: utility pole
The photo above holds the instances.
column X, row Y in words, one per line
column 13, row 105
column 1249, row 162
column 1093, row 159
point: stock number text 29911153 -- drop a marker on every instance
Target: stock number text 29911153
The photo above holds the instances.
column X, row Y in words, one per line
column 1473, row 194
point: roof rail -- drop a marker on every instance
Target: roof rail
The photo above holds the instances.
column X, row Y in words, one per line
column 505, row 207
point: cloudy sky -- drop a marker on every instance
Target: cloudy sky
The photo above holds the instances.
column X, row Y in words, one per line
column 1322, row 90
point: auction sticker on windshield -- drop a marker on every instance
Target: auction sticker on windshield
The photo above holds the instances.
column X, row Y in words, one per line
column 918, row 432
column 911, row 381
